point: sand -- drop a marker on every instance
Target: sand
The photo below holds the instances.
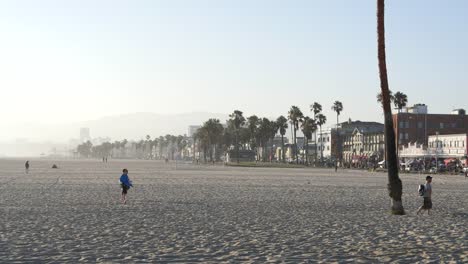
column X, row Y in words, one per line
column 222, row 214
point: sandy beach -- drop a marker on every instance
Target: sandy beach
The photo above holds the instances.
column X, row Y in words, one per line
column 189, row 213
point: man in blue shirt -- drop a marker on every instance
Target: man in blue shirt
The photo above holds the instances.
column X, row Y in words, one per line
column 125, row 184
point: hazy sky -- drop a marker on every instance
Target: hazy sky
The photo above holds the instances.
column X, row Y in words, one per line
column 67, row 61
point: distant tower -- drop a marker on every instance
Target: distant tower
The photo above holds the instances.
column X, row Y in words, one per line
column 84, row 134
column 192, row 130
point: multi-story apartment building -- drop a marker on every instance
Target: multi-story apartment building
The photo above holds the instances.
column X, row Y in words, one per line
column 415, row 125
column 353, row 139
column 324, row 142
column 365, row 141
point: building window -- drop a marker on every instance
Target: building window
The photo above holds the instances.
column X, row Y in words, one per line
column 406, row 136
column 328, row 147
column 420, row 125
column 407, row 124
column 441, row 125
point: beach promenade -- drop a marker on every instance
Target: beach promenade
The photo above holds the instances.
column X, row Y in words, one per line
column 190, row 213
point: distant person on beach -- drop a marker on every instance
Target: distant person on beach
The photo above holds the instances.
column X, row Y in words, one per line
column 125, row 184
column 26, row 166
column 427, row 195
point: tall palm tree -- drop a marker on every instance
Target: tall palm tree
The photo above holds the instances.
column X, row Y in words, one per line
column 273, row 131
column 338, row 108
column 282, row 124
column 238, row 120
column 295, row 116
column 203, row 138
column 395, row 186
column 400, row 100
column 308, row 126
column 321, row 120
column 316, row 108
column 162, row 143
column 252, row 124
column 214, row 131
column 390, row 94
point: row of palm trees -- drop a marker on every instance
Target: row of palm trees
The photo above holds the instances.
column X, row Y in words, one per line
column 158, row 148
column 257, row 134
column 399, row 99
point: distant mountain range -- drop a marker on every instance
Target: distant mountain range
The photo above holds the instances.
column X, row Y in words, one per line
column 138, row 125
column 133, row 126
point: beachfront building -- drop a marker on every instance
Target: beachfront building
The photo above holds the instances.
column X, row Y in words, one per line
column 453, row 146
column 359, row 141
column 448, row 146
column 415, row 125
column 324, row 142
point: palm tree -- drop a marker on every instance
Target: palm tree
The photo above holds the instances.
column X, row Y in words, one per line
column 282, row 124
column 202, row 136
column 338, row 108
column 390, row 93
column 295, row 116
column 214, row 131
column 316, row 108
column 273, row 131
column 321, row 120
column 395, row 186
column 162, row 143
column 252, row 124
column 237, row 119
column 400, row 100
column 308, row 126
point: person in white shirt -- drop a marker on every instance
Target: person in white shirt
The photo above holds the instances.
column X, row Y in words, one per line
column 427, row 205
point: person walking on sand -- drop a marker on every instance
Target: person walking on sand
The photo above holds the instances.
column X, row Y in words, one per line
column 26, row 166
column 125, row 184
column 427, row 204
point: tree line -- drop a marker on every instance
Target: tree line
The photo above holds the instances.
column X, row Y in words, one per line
column 214, row 139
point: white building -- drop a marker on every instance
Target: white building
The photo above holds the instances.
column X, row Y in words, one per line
column 85, row 135
column 442, row 146
column 192, row 130
column 415, row 109
column 448, row 146
column 324, row 142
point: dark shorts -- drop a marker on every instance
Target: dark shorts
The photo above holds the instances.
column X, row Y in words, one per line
column 427, row 203
column 124, row 188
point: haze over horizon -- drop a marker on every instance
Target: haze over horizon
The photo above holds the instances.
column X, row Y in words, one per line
column 74, row 62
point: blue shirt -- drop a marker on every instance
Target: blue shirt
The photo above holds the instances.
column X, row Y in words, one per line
column 125, row 180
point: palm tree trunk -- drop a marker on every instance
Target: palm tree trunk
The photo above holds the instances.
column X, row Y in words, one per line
column 395, row 186
column 283, row 156
column 295, row 145
column 316, row 148
column 237, row 146
column 337, row 141
column 306, row 150
column 321, row 146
